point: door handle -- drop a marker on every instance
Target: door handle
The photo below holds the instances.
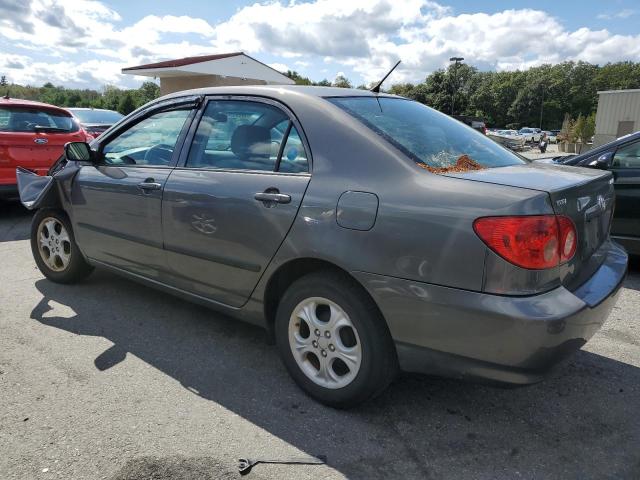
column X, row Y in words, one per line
column 272, row 197
column 150, row 184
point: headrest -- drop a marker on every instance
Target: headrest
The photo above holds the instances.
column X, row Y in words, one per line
column 251, row 141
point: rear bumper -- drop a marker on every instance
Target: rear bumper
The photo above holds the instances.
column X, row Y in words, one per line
column 514, row 340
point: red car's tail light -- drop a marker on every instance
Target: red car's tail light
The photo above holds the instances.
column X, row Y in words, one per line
column 535, row 242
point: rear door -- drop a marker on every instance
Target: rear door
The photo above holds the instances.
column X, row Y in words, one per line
column 626, row 172
column 33, row 138
column 117, row 202
column 230, row 203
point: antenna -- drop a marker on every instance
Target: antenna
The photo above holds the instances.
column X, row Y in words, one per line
column 376, row 89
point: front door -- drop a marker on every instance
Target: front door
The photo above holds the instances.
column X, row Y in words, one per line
column 626, row 171
column 117, row 203
column 228, row 208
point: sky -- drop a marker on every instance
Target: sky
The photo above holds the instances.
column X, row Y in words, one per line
column 85, row 43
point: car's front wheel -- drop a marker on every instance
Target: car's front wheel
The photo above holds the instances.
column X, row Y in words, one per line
column 333, row 340
column 54, row 247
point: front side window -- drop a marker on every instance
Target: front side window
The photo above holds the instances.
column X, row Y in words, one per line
column 627, row 156
column 26, row 120
column 435, row 141
column 149, row 142
column 245, row 135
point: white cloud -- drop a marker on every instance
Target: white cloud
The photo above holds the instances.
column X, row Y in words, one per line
column 281, row 67
column 87, row 41
column 626, row 13
column 369, row 36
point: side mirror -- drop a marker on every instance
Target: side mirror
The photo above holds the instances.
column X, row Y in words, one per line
column 603, row 162
column 78, row 152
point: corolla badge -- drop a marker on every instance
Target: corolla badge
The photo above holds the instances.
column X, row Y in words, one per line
column 40, row 141
column 602, row 203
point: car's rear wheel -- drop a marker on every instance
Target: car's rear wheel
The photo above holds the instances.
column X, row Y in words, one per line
column 333, row 340
column 54, row 247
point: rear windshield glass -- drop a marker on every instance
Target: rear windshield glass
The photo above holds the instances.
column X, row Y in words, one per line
column 100, row 117
column 19, row 119
column 435, row 141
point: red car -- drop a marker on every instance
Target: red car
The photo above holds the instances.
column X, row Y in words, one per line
column 32, row 135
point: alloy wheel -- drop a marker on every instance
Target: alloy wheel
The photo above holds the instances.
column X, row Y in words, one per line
column 54, row 244
column 325, row 343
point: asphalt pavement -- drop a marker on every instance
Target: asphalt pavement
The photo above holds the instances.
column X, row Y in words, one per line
column 113, row 380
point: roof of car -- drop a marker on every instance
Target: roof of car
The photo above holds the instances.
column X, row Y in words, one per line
column 277, row 90
column 19, row 102
column 76, row 109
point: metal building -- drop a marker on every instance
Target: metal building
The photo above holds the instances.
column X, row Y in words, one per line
column 618, row 115
column 218, row 70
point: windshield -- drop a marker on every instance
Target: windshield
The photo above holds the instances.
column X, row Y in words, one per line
column 433, row 140
column 103, row 117
column 20, row 119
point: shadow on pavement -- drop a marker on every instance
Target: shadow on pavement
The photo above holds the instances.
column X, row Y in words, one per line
column 15, row 221
column 583, row 422
column 633, row 279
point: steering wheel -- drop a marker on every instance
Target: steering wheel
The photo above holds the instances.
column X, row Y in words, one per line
column 159, row 154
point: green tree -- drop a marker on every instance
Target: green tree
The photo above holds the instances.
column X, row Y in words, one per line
column 589, row 127
column 342, row 82
column 402, row 89
column 147, row 92
column 3, row 81
column 126, row 105
column 299, row 79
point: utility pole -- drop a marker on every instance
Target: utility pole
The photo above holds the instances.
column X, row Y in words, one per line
column 457, row 61
column 541, row 107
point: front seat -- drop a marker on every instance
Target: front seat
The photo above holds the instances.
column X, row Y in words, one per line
column 251, row 144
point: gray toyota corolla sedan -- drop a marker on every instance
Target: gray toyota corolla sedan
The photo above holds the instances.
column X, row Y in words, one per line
column 366, row 232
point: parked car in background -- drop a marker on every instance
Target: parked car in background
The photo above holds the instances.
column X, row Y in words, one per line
column 551, row 137
column 367, row 232
column 476, row 123
column 32, row 135
column 509, row 138
column 95, row 121
column 622, row 158
column 531, row 134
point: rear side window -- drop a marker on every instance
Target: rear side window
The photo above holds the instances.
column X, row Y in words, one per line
column 435, row 141
column 19, row 119
column 246, row 135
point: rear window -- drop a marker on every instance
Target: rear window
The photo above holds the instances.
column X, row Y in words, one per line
column 20, row 119
column 433, row 140
column 101, row 117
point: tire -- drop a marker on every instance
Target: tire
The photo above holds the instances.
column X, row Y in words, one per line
column 354, row 362
column 54, row 247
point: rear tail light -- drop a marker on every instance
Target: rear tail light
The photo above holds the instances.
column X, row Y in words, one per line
column 535, row 242
column 568, row 238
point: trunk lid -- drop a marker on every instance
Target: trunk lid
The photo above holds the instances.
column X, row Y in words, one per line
column 584, row 195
